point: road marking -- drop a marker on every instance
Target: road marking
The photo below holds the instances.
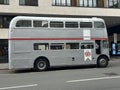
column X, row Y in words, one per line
column 13, row 87
column 93, row 79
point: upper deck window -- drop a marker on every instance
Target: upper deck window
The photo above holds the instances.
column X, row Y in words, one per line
column 24, row 23
column 71, row 24
column 99, row 25
column 85, row 24
column 56, row 24
column 37, row 23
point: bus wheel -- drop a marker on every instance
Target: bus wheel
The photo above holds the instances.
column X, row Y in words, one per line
column 41, row 64
column 102, row 62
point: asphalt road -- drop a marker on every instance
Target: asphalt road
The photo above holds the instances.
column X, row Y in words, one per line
column 72, row 78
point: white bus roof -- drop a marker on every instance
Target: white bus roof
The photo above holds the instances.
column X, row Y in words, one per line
column 14, row 20
column 57, row 18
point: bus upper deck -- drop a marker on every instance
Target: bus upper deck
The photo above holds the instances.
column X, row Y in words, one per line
column 93, row 28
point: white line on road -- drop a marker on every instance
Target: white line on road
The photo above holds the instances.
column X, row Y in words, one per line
column 93, row 79
column 13, row 87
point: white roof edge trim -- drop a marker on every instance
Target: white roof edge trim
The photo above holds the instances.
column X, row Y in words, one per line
column 15, row 19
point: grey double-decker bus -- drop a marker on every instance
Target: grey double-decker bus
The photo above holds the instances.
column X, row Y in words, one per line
column 43, row 42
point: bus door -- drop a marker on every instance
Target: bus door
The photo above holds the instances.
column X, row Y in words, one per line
column 98, row 46
column 88, row 52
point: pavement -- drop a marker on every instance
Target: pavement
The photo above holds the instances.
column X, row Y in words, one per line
column 4, row 66
column 73, row 78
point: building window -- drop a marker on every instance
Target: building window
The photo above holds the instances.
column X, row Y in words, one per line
column 87, row 3
column 28, row 2
column 1, row 23
column 61, row 2
column 113, row 3
column 4, row 2
column 5, row 21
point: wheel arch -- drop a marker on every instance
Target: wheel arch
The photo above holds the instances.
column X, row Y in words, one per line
column 103, row 55
column 41, row 57
column 100, row 63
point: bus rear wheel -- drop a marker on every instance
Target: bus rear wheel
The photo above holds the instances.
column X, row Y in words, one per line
column 41, row 64
column 102, row 62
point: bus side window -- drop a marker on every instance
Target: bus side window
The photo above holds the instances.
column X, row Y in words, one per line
column 99, row 25
column 41, row 46
column 56, row 24
column 87, row 45
column 85, row 24
column 24, row 23
column 72, row 45
column 37, row 23
column 71, row 24
column 57, row 46
column 105, row 44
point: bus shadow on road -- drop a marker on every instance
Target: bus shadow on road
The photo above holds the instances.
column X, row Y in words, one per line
column 56, row 69
column 72, row 67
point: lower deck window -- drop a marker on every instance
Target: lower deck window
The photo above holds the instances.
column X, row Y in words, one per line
column 87, row 45
column 41, row 46
column 72, row 45
column 105, row 44
column 57, row 46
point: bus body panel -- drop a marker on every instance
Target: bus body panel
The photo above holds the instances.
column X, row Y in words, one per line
column 22, row 53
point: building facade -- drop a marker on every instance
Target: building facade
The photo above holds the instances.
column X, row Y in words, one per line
column 106, row 9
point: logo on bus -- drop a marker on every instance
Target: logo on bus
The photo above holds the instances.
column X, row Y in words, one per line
column 87, row 54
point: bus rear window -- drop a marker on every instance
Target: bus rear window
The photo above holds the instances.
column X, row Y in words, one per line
column 99, row 25
column 85, row 24
column 24, row 23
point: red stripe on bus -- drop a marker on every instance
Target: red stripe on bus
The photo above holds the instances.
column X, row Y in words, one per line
column 46, row 39
column 55, row 39
column 99, row 38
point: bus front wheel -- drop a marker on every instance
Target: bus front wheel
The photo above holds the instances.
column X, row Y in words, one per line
column 41, row 64
column 102, row 62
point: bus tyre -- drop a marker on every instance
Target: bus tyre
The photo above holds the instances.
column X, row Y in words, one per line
column 41, row 64
column 102, row 62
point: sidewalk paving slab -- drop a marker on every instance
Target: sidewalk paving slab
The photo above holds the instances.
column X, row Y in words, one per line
column 4, row 66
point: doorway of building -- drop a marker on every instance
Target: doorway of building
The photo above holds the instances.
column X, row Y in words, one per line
column 3, row 51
